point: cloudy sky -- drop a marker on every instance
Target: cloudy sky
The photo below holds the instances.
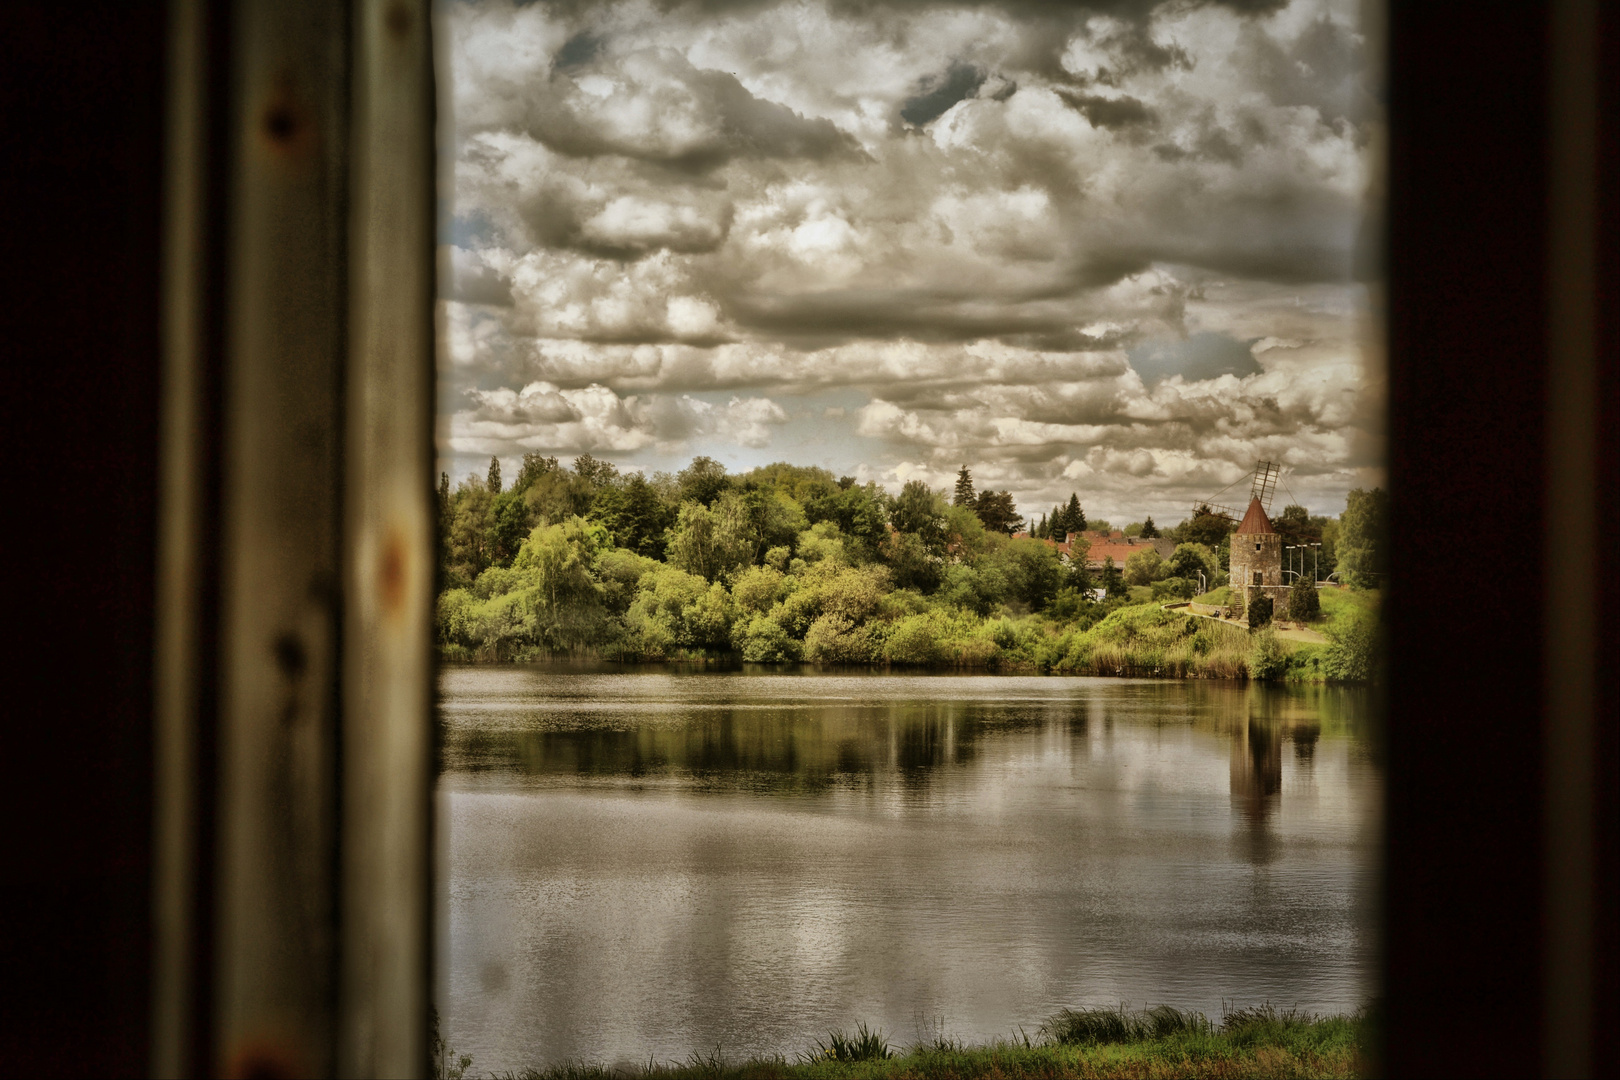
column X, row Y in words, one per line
column 1118, row 249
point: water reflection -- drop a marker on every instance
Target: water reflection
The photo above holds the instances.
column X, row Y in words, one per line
column 652, row 863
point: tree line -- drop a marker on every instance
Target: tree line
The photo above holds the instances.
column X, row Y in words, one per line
column 782, row 562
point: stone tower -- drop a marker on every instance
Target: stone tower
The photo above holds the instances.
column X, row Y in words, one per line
column 1257, row 558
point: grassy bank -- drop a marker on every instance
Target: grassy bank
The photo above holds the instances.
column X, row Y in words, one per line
column 1163, row 1042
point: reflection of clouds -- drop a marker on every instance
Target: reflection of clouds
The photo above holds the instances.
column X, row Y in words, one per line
column 1085, row 862
column 975, row 216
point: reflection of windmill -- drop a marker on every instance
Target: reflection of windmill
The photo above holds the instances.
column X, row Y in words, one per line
column 1262, row 485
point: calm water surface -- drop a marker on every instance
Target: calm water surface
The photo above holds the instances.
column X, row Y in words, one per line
column 639, row 863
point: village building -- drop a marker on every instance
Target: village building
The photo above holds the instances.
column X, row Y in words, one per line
column 1108, row 545
column 1256, row 559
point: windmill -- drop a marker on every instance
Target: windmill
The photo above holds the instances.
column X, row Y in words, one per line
column 1262, row 485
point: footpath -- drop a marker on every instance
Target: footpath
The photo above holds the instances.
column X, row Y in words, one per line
column 1288, row 631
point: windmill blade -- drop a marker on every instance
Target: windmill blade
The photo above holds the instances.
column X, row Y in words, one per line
column 1265, row 483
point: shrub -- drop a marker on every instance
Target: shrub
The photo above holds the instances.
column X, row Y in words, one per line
column 914, row 640
column 834, row 639
column 762, row 640
column 1234, row 606
column 1303, row 603
column 1259, row 612
column 1268, row 659
column 1174, row 588
column 1354, row 654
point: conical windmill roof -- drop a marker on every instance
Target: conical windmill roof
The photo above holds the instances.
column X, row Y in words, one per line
column 1255, row 521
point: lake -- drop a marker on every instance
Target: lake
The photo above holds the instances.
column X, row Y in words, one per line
column 648, row 862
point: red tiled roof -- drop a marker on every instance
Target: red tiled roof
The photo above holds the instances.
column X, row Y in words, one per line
column 1255, row 520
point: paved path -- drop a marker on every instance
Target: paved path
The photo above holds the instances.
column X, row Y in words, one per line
column 1208, row 611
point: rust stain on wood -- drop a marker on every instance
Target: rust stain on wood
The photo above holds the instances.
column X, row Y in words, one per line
column 391, row 585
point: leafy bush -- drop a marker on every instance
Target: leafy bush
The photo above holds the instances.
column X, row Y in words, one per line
column 1303, row 603
column 1174, row 589
column 1268, row 659
column 1356, row 649
column 762, row 640
column 835, row 639
column 1259, row 612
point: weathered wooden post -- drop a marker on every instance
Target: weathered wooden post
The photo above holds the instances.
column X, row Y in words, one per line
column 292, row 879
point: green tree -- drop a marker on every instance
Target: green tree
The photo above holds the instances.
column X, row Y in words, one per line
column 1144, row 567
column 964, row 495
column 1204, row 527
column 911, row 562
column 1112, row 580
column 509, row 525
column 1294, row 526
column 493, row 481
column 1033, row 572
column 1188, row 560
column 594, row 471
column 1304, row 605
column 565, row 603
column 703, row 480
column 1363, row 531
column 998, row 511
column 1074, row 518
column 468, row 548
column 533, row 468
column 711, row 542
column 919, row 511
column 859, row 512
column 1149, row 530
column 636, row 516
column 1260, row 609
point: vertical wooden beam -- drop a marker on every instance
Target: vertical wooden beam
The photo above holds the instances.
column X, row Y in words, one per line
column 1570, row 644
column 185, row 607
column 286, row 336
column 293, row 677
column 388, row 551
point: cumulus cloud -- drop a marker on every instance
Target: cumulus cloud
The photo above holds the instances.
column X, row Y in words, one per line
column 1114, row 246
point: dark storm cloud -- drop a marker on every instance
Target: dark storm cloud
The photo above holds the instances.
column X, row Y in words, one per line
column 1201, row 356
column 938, row 93
column 659, row 108
column 582, row 48
column 833, row 316
column 1104, row 112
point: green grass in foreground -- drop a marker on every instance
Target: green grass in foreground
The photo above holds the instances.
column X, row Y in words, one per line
column 1162, row 1042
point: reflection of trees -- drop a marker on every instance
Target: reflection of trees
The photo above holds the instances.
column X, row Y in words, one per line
column 798, row 746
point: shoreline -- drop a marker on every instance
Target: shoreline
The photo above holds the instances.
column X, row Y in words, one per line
column 1160, row 1042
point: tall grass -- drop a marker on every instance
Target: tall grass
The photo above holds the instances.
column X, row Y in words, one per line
column 1163, row 1041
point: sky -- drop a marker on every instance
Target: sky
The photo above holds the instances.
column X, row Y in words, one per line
column 1121, row 250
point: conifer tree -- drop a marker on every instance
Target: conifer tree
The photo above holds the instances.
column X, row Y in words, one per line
column 1074, row 517
column 494, row 481
column 964, row 488
column 1149, row 530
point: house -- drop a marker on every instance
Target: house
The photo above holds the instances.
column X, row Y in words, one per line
column 1105, row 545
